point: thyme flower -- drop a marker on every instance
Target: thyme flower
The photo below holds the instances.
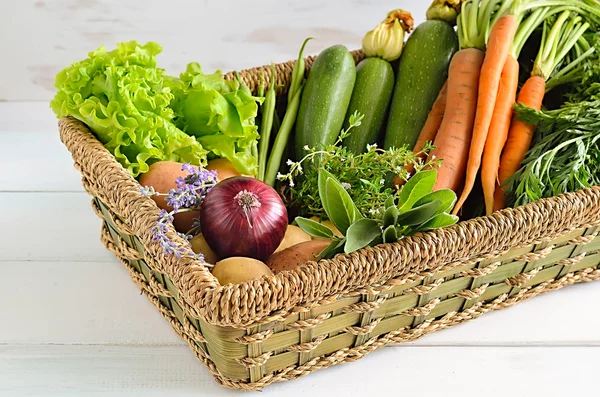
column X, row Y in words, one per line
column 368, row 177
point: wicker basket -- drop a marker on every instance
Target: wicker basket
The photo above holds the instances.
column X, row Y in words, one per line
column 334, row 311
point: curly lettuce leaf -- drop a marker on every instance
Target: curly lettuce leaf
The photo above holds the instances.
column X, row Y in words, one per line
column 122, row 96
column 219, row 114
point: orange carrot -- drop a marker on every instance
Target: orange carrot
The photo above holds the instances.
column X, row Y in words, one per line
column 434, row 120
column 558, row 38
column 454, row 136
column 499, row 43
column 429, row 131
column 520, row 136
column 499, row 130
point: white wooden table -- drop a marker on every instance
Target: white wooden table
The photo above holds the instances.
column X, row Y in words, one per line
column 73, row 324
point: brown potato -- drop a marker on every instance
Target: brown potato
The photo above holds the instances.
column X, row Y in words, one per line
column 294, row 256
column 224, row 168
column 200, row 246
column 237, row 269
column 161, row 176
column 293, row 235
column 330, row 225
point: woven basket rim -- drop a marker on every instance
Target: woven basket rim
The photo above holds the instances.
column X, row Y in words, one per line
column 272, row 297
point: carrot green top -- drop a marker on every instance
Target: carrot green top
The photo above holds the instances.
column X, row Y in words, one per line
column 476, row 19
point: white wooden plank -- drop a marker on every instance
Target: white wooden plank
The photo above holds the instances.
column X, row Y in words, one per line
column 18, row 117
column 223, row 35
column 37, row 161
column 97, row 303
column 77, row 303
column 423, row 371
column 50, row 226
column 32, row 157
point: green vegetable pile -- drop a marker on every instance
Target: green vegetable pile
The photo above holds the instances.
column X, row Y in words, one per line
column 143, row 116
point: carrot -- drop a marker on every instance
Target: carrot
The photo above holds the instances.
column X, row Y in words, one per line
column 499, row 44
column 429, row 131
column 434, row 120
column 499, row 130
column 454, row 136
column 558, row 38
column 520, row 136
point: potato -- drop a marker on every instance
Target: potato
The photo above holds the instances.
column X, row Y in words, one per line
column 224, row 168
column 330, row 225
column 294, row 256
column 398, row 182
column 293, row 235
column 200, row 246
column 238, row 269
column 161, row 176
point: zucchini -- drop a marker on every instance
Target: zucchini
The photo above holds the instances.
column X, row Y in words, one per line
column 325, row 99
column 371, row 98
column 422, row 71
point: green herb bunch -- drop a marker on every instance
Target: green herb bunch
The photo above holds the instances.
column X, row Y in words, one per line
column 566, row 155
column 368, row 177
column 416, row 208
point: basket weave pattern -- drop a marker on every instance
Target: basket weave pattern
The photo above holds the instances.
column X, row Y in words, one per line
column 321, row 314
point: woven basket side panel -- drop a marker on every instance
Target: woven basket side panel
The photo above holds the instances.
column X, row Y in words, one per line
column 423, row 303
column 402, row 310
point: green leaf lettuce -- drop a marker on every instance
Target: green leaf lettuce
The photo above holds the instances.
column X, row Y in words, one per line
column 143, row 115
column 219, row 114
column 122, row 97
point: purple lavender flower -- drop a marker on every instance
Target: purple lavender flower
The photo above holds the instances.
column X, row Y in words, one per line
column 159, row 234
column 184, row 236
column 184, row 197
column 197, row 176
column 191, row 190
column 190, row 193
column 196, row 223
column 148, row 191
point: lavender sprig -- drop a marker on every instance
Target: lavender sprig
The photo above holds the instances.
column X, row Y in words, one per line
column 159, row 234
column 189, row 196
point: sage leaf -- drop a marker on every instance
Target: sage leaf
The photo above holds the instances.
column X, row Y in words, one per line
column 390, row 216
column 313, row 228
column 342, row 211
column 390, row 235
column 446, row 196
column 416, row 188
column 440, row 220
column 361, row 233
column 419, row 215
column 389, row 202
column 336, row 247
column 322, row 181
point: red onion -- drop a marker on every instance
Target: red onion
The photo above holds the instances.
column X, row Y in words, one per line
column 243, row 217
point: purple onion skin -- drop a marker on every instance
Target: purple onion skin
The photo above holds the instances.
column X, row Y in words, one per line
column 232, row 231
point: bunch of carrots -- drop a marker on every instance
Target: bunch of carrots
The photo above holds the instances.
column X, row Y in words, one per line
column 471, row 123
